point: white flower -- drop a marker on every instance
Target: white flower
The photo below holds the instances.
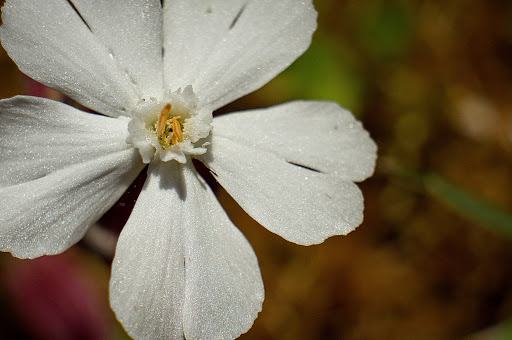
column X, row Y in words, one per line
column 181, row 268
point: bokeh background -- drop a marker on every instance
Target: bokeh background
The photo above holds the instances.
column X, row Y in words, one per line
column 431, row 82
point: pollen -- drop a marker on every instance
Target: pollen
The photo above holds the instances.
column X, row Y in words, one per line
column 168, row 129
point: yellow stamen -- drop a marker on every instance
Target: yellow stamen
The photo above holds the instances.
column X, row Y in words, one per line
column 177, row 134
column 162, row 119
column 165, row 126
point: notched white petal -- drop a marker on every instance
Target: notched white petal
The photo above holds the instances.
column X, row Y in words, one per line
column 50, row 43
column 227, row 49
column 182, row 269
column 132, row 32
column 317, row 134
column 60, row 170
column 299, row 204
column 48, row 215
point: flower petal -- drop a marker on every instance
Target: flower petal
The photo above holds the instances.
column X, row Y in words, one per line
column 60, row 170
column 226, row 49
column 301, row 205
column 132, row 32
column 182, row 269
column 316, row 134
column 50, row 42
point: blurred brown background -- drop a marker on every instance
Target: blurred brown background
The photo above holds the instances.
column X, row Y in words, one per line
column 430, row 80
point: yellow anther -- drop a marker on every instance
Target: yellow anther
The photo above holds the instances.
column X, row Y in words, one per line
column 162, row 119
column 168, row 130
column 177, row 134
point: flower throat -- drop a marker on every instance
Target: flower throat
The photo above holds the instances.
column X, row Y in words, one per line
column 168, row 129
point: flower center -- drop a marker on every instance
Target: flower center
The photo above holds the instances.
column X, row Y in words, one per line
column 173, row 128
column 168, row 130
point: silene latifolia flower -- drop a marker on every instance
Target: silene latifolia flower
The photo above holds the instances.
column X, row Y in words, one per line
column 154, row 71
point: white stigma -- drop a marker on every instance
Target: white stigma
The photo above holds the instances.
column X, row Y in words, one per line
column 171, row 128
